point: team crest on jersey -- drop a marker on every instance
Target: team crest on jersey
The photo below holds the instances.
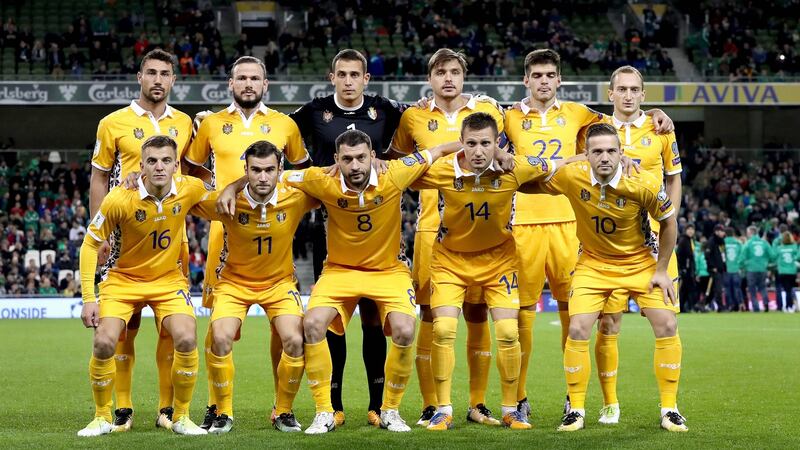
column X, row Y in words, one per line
column 458, row 184
column 265, row 129
column 244, row 218
column 372, row 113
column 585, row 195
column 526, row 124
column 227, row 128
column 281, row 216
column 433, row 125
column 138, row 133
column 173, row 132
column 327, row 116
column 378, row 199
column 675, row 149
column 561, row 121
column 141, row 215
column 646, row 141
column 409, row 160
column 342, row 202
column 621, row 201
column 176, row 209
column 495, row 183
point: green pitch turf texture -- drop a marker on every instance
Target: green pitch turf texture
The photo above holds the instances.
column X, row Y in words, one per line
column 739, row 389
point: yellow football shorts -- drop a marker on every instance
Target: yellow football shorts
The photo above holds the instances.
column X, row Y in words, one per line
column 421, row 267
column 594, row 282
column 545, row 250
column 341, row 288
column 120, row 297
column 233, row 300
column 492, row 272
column 618, row 300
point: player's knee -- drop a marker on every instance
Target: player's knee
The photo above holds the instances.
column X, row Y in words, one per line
column 506, row 332
column 184, row 340
column 577, row 331
column 221, row 343
column 444, row 330
column 403, row 331
column 313, row 328
column 667, row 327
column 293, row 344
column 103, row 346
column 609, row 324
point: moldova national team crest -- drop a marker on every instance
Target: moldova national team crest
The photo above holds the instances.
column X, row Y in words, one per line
column 495, row 183
column 244, row 218
column 646, row 141
column 342, row 202
column 327, row 116
column 141, row 215
column 526, row 124
column 372, row 113
column 585, row 195
column 378, row 199
column 433, row 125
column 227, row 128
column 176, row 209
column 138, row 133
column 621, row 201
column 265, row 129
column 280, row 216
column 173, row 132
column 561, row 121
column 458, row 184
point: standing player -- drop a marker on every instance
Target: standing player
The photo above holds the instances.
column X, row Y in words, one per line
column 419, row 128
column 475, row 249
column 658, row 155
column 321, row 121
column 258, row 270
column 619, row 253
column 149, row 221
column 222, row 139
column 117, row 153
column 544, row 225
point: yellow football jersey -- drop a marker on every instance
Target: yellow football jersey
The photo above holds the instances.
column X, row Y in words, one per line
column 552, row 135
column 476, row 209
column 656, row 153
column 612, row 222
column 423, row 129
column 120, row 136
column 225, row 135
column 363, row 227
column 150, row 230
column 257, row 248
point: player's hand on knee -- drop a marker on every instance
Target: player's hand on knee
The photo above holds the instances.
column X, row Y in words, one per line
column 103, row 252
column 90, row 314
column 628, row 164
column 663, row 281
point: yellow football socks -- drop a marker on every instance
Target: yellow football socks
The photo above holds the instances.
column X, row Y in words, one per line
column 220, row 381
column 606, row 354
column 667, row 362
column 577, row 368
column 125, row 359
column 101, row 377
column 508, row 359
column 184, row 377
column 423, row 363
column 526, row 320
column 443, row 357
column 479, row 360
column 563, row 316
column 164, row 351
column 397, row 370
column 289, row 376
column 319, row 369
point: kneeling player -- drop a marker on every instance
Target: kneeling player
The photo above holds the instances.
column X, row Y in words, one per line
column 149, row 221
column 257, row 269
column 619, row 254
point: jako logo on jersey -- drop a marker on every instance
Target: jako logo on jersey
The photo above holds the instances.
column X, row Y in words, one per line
column 674, row 366
column 289, row 91
column 68, row 91
column 433, row 125
column 227, row 128
column 572, row 369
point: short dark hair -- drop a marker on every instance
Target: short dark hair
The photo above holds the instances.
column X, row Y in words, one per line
column 445, row 54
column 262, row 149
column 351, row 138
column 543, row 56
column 600, row 129
column 349, row 54
column 159, row 141
column 158, row 55
column 479, row 121
column 249, row 60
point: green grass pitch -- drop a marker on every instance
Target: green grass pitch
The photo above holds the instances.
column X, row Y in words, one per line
column 739, row 389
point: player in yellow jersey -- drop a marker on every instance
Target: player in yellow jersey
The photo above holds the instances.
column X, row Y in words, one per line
column 258, row 270
column 117, row 154
column 544, row 226
column 475, row 250
column 364, row 260
column 150, row 223
column 658, row 155
column 619, row 253
column 221, row 139
column 424, row 128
